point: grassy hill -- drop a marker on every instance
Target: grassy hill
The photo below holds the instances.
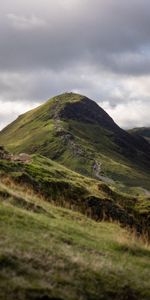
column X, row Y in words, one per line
column 142, row 131
column 65, row 188
column 53, row 253
column 75, row 208
column 74, row 131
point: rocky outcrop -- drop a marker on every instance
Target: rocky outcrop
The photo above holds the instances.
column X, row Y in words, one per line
column 22, row 157
column 4, row 154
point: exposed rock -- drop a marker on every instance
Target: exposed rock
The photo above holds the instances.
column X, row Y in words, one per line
column 4, row 154
column 22, row 157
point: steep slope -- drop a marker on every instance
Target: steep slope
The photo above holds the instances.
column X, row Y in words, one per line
column 59, row 185
column 141, row 131
column 52, row 253
column 76, row 132
column 49, row 253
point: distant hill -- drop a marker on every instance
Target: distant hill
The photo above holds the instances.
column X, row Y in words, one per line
column 74, row 131
column 142, row 131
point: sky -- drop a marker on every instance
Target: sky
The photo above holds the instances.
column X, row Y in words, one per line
column 98, row 48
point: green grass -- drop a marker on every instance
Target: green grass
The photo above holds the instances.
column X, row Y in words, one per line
column 66, row 188
column 54, row 253
column 57, row 252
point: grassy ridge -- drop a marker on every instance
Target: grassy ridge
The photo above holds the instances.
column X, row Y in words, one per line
column 142, row 131
column 69, row 189
column 53, row 253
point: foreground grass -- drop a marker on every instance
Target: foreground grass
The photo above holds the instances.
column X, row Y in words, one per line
column 53, row 253
column 69, row 189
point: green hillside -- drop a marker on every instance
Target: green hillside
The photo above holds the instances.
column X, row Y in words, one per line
column 65, row 236
column 142, row 131
column 74, row 131
column 66, row 188
column 48, row 252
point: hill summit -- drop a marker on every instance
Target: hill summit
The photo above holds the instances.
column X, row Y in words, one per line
column 75, row 131
column 80, row 108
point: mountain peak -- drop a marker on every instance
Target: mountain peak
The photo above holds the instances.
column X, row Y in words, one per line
column 67, row 97
column 80, row 108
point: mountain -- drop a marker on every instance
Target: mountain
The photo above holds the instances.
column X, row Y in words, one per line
column 69, row 235
column 74, row 131
column 141, row 131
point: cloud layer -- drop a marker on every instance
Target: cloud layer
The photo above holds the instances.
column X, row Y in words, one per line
column 100, row 48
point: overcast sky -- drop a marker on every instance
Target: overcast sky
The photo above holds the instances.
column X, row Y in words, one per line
column 100, row 48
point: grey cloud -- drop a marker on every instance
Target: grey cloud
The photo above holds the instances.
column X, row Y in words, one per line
column 100, row 48
column 91, row 32
column 24, row 23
